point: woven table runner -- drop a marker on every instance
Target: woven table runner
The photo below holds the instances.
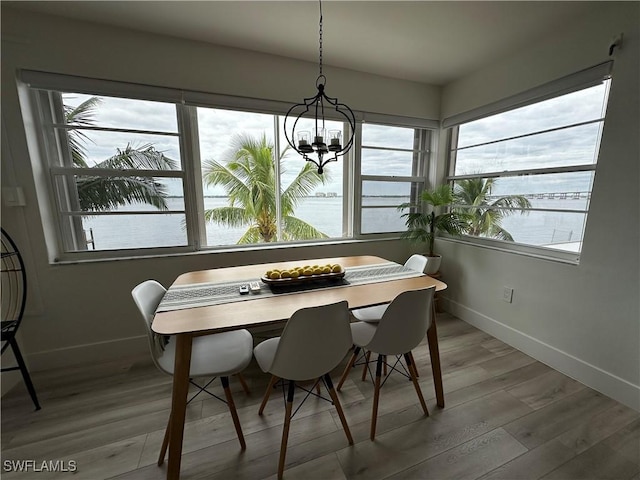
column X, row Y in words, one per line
column 207, row 294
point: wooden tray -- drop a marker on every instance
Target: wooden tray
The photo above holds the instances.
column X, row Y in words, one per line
column 321, row 277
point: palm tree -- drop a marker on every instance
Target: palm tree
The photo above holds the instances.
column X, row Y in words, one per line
column 472, row 197
column 96, row 193
column 248, row 175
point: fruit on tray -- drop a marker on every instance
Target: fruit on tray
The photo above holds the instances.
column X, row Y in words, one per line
column 303, row 271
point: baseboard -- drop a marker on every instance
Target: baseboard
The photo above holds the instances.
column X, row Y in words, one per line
column 615, row 387
column 87, row 354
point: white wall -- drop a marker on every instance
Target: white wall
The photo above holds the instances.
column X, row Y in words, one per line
column 84, row 312
column 583, row 320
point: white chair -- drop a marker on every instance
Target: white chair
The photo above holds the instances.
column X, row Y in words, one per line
column 313, row 342
column 401, row 328
column 218, row 355
column 417, row 263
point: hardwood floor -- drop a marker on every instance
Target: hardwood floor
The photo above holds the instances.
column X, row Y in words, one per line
column 507, row 417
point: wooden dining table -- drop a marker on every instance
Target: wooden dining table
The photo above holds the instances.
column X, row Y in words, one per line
column 254, row 310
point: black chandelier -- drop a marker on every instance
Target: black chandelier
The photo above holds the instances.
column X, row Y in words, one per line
column 319, row 146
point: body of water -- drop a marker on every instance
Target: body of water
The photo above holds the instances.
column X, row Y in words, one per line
column 325, row 214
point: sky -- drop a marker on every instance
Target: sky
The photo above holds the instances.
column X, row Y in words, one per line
column 567, row 147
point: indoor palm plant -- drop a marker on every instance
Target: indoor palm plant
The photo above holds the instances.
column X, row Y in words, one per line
column 423, row 223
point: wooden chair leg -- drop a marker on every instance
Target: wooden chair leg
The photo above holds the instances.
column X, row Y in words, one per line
column 242, row 381
column 345, row 374
column 232, row 410
column 165, row 443
column 285, row 429
column 336, row 403
column 376, row 397
column 412, row 371
column 415, row 367
column 434, row 353
column 366, row 364
column 267, row 394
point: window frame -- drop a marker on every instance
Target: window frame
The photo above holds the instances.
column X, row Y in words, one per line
column 31, row 83
column 422, row 158
column 579, row 81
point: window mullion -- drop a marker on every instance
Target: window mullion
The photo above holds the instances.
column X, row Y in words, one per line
column 192, row 176
column 115, row 172
column 357, row 184
column 278, row 187
column 533, row 171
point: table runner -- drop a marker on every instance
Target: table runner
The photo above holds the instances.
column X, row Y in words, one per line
column 207, row 294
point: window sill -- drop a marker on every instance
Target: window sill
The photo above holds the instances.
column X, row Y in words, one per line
column 109, row 257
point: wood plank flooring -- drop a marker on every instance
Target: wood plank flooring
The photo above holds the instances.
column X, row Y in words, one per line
column 507, row 417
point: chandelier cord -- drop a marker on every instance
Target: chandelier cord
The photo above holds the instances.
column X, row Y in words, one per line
column 320, row 75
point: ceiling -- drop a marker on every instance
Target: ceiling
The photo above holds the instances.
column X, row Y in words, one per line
column 430, row 42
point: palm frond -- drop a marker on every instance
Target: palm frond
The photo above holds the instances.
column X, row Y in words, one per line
column 82, row 116
column 214, row 173
column 441, row 196
column 142, row 158
column 228, row 216
column 297, row 229
column 304, row 184
column 107, row 193
column 252, row 235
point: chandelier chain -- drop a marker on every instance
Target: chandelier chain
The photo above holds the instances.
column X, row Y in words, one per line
column 319, row 145
column 320, row 49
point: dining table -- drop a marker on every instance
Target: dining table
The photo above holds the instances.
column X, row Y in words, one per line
column 208, row 301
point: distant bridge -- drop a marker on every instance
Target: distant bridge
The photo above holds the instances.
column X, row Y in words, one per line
column 551, row 196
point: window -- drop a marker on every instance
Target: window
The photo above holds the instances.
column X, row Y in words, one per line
column 115, row 171
column 392, row 171
column 135, row 169
column 524, row 175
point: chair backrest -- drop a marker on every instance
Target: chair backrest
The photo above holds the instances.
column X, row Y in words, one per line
column 404, row 323
column 416, row 262
column 314, row 341
column 147, row 297
column 13, row 287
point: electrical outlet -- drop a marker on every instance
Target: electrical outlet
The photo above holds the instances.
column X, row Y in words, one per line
column 507, row 294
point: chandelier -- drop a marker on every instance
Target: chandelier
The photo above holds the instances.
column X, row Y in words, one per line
column 318, row 145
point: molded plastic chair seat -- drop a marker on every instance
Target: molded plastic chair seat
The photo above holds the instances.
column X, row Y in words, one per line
column 370, row 314
column 265, row 353
column 218, row 355
column 363, row 332
column 313, row 342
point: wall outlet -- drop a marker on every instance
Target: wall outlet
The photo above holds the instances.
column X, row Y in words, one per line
column 507, row 294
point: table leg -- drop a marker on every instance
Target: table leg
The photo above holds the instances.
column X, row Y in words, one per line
column 179, row 403
column 432, row 338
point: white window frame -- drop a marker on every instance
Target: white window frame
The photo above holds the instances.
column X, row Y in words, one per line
column 30, row 83
column 578, row 81
column 427, row 131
